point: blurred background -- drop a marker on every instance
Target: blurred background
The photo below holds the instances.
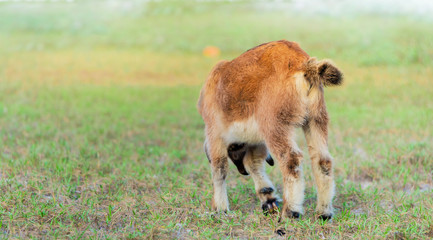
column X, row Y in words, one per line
column 100, row 137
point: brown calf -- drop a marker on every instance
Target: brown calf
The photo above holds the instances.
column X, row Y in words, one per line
column 251, row 105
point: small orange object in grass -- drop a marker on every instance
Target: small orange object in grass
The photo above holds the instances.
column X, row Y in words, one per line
column 211, row 51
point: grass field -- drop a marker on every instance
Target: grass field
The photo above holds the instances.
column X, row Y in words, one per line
column 100, row 137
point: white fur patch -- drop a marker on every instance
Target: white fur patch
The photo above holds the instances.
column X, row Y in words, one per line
column 243, row 131
column 302, row 85
column 220, row 196
column 308, row 96
column 294, row 192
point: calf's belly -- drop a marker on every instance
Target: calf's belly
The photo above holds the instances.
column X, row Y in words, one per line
column 246, row 131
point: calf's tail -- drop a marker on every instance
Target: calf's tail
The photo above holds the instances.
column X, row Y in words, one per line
column 324, row 71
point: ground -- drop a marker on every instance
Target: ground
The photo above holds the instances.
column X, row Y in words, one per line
column 100, row 136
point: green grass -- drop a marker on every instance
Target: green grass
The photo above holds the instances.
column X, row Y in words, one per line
column 100, row 137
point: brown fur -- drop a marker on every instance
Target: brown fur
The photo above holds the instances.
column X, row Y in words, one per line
column 294, row 163
column 325, row 166
column 259, row 98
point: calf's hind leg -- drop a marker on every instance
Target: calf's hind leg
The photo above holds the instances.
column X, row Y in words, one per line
column 254, row 162
column 316, row 134
column 217, row 156
column 289, row 158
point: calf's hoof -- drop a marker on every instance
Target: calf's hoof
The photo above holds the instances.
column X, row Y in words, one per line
column 280, row 232
column 293, row 214
column 325, row 217
column 270, row 206
column 287, row 213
